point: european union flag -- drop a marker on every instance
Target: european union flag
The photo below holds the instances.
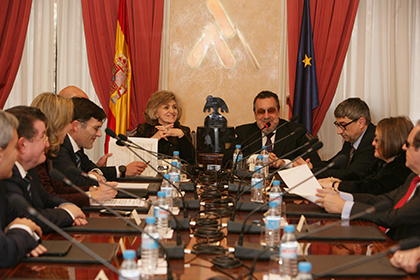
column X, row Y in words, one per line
column 306, row 89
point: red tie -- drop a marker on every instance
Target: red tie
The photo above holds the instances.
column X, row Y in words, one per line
column 404, row 199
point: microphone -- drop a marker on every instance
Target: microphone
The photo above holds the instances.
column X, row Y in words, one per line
column 406, row 244
column 23, row 205
column 169, row 253
column 267, row 125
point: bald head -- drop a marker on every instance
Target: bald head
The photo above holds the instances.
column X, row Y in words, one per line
column 72, row 91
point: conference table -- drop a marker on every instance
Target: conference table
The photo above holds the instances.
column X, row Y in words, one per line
column 192, row 266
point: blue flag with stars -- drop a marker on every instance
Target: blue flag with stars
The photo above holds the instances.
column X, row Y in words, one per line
column 306, row 88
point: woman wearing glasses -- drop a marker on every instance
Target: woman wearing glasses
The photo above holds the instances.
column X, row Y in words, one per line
column 388, row 171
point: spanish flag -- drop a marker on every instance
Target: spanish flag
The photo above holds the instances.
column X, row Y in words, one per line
column 119, row 103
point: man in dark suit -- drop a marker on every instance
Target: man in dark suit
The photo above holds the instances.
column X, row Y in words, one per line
column 402, row 219
column 17, row 238
column 32, row 142
column 267, row 110
column 354, row 125
column 86, row 127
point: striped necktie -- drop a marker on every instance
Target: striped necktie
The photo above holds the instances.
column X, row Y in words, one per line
column 78, row 159
column 28, row 180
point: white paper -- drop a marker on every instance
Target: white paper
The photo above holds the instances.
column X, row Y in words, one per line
column 129, row 202
column 123, row 156
column 294, row 176
column 133, row 186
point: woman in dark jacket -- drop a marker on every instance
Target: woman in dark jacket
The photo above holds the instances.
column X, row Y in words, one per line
column 162, row 116
column 388, row 171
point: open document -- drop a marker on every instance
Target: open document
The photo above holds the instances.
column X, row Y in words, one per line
column 294, row 176
column 123, row 156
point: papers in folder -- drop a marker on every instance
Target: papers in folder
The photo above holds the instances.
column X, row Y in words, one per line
column 123, row 156
column 295, row 176
column 128, row 202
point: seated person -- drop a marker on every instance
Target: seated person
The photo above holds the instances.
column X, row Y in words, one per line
column 17, row 238
column 353, row 124
column 407, row 260
column 86, row 127
column 388, row 171
column 32, row 142
column 59, row 112
column 402, row 219
column 162, row 115
column 267, row 110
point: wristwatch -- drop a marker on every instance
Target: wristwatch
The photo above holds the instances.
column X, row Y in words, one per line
column 122, row 169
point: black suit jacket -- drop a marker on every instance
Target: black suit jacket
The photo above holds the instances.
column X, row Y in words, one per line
column 16, row 243
column 41, row 200
column 244, row 131
column 66, row 157
column 403, row 222
column 363, row 157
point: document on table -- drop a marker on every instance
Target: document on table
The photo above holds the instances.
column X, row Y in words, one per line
column 294, row 176
column 133, row 186
column 121, row 202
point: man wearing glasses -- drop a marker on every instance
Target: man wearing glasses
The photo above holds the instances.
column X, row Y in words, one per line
column 352, row 119
column 86, row 127
column 264, row 132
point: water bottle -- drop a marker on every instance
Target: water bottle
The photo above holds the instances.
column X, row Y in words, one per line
column 149, row 247
column 257, row 181
column 237, row 158
column 177, row 159
column 266, row 159
column 272, row 225
column 275, row 194
column 128, row 269
column 161, row 215
column 168, row 189
column 288, row 253
column 174, row 174
column 304, row 271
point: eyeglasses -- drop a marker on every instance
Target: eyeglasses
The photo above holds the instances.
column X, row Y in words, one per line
column 43, row 139
column 343, row 126
column 270, row 111
column 96, row 128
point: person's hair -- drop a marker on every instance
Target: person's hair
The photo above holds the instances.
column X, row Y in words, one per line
column 416, row 140
column 353, row 108
column 27, row 116
column 158, row 98
column 392, row 133
column 84, row 110
column 59, row 111
column 267, row 94
column 8, row 123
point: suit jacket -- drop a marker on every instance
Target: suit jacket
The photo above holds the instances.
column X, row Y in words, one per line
column 362, row 158
column 281, row 148
column 55, row 187
column 41, row 200
column 403, row 222
column 16, row 243
column 381, row 177
column 66, row 157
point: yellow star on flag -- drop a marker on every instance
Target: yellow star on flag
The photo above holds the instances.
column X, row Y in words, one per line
column 307, row 61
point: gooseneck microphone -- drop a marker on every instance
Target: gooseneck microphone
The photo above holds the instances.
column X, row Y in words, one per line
column 20, row 202
column 267, row 125
column 57, row 175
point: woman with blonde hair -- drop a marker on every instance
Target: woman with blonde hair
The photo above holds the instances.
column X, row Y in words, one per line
column 388, row 171
column 162, row 115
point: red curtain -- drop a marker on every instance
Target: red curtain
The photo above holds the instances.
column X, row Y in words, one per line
column 145, row 19
column 14, row 18
column 332, row 24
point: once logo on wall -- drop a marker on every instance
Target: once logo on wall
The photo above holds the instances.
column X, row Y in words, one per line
column 214, row 35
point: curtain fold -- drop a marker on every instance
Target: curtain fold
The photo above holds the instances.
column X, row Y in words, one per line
column 332, row 24
column 14, row 18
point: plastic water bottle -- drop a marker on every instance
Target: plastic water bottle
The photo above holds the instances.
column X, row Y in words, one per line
column 237, row 158
column 275, row 194
column 149, row 247
column 161, row 215
column 272, row 225
column 128, row 269
column 168, row 189
column 266, row 159
column 288, row 253
column 304, row 271
column 178, row 160
column 257, row 181
column 174, row 174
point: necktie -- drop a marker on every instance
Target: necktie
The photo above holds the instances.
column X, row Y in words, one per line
column 408, row 194
column 352, row 150
column 28, row 180
column 268, row 142
column 78, row 159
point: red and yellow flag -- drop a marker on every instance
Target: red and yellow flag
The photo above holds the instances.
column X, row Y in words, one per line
column 119, row 103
